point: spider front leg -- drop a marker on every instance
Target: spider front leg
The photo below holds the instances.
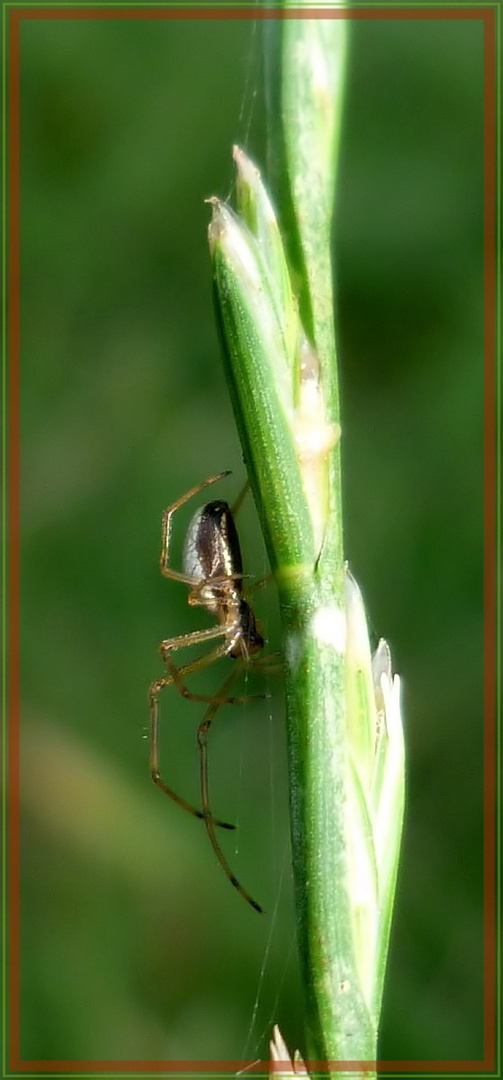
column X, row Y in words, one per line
column 167, row 516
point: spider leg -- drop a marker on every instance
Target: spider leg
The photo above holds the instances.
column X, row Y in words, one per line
column 177, row 675
column 260, row 583
column 154, row 760
column 196, row 638
column 167, row 516
column 166, row 680
column 270, row 664
column 236, row 505
column 202, row 735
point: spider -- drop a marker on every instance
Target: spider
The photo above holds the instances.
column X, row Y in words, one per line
column 213, row 570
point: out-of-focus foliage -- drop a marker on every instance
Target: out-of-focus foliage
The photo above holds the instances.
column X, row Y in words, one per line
column 134, row 945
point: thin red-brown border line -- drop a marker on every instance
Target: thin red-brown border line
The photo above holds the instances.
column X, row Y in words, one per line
column 487, row 15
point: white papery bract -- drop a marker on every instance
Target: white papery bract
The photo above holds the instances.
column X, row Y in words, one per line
column 375, row 793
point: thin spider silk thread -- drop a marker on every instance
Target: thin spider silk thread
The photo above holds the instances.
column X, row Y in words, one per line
column 249, row 95
column 254, row 1044
column 243, row 709
column 252, row 1048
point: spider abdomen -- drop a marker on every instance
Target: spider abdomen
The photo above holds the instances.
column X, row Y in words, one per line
column 211, row 550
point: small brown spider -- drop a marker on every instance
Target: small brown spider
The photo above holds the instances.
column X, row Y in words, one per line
column 213, row 570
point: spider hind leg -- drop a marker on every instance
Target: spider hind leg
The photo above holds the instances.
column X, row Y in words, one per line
column 202, row 735
column 155, row 773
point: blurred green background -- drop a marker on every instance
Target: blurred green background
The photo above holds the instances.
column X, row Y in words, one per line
column 134, row 945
